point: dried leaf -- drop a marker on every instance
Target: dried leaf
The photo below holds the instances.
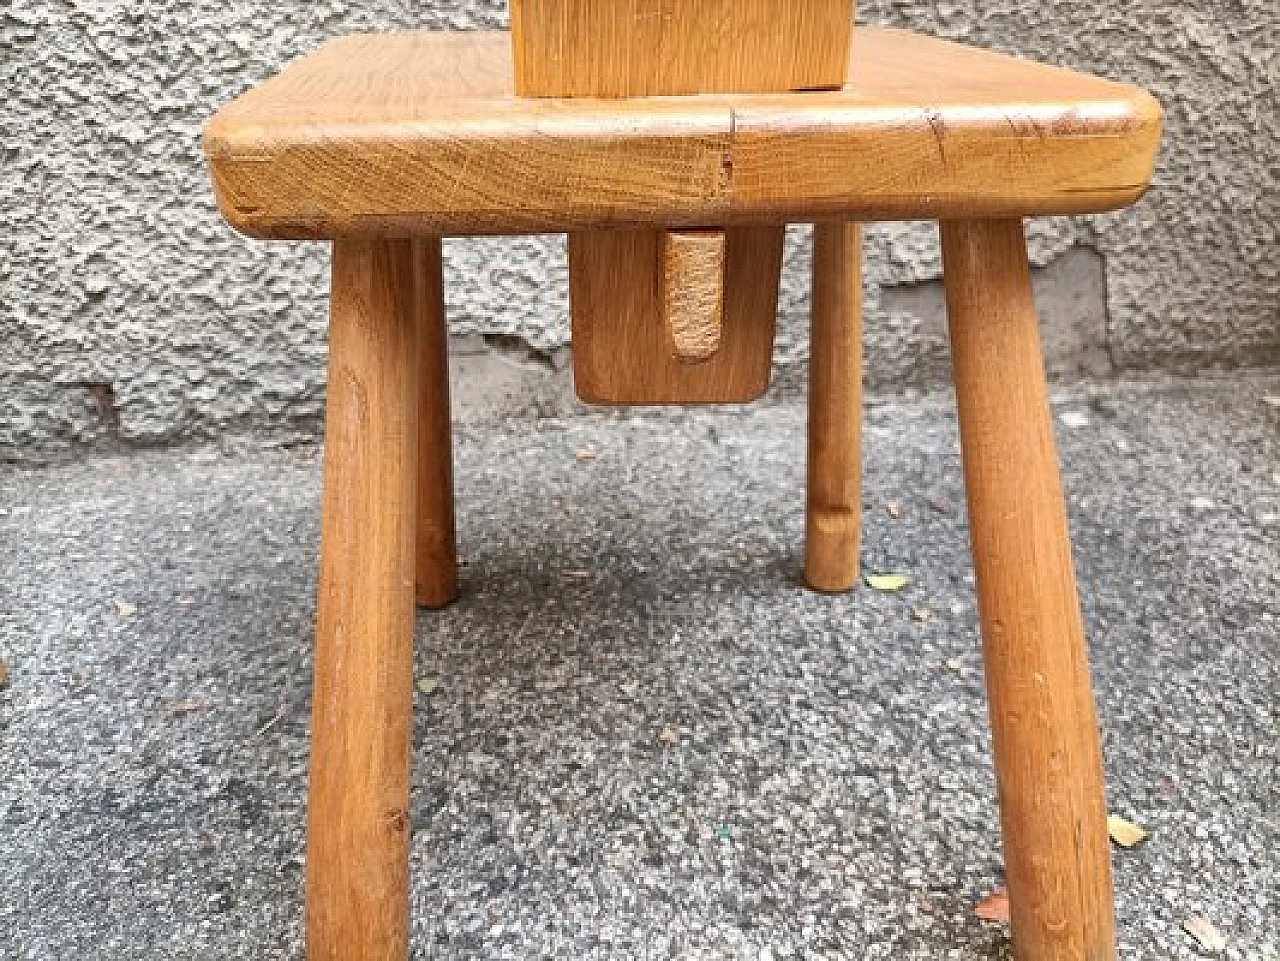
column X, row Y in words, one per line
column 1206, row 935
column 585, row 454
column 887, row 582
column 1124, row 832
column 668, row 736
column 428, row 685
column 995, row 906
column 125, row 609
column 5, row 674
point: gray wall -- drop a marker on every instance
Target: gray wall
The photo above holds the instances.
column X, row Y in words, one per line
column 129, row 314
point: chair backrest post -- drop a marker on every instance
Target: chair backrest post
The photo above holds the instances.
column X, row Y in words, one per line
column 635, row 48
column 676, row 316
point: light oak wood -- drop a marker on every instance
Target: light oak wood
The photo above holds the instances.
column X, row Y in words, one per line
column 637, row 48
column 833, row 518
column 382, row 141
column 436, row 549
column 1048, row 763
column 358, row 812
column 422, row 132
column 620, row 350
column 692, row 292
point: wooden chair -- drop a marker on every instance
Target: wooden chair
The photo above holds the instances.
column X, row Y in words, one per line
column 729, row 119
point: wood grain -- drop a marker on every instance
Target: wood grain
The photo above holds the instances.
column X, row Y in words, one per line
column 637, row 48
column 358, row 811
column 436, row 548
column 422, row 133
column 620, row 352
column 692, row 271
column 833, row 510
column 1048, row 763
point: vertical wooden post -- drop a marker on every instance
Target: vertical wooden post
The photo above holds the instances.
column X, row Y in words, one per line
column 437, row 550
column 1048, row 761
column 358, row 813
column 833, row 514
column 645, row 48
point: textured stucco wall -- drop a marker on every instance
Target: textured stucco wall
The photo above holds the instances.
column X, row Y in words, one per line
column 130, row 314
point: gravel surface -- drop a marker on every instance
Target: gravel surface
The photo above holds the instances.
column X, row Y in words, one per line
column 636, row 735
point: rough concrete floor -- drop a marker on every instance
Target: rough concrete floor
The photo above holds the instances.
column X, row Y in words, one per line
column 829, row 793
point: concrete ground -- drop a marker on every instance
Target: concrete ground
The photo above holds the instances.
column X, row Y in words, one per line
column 823, row 788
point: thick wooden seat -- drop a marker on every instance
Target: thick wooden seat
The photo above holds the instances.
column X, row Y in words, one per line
column 421, row 132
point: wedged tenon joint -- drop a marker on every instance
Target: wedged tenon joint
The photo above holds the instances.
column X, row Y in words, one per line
column 388, row 134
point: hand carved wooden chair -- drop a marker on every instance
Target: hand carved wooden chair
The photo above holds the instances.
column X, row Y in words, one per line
column 673, row 141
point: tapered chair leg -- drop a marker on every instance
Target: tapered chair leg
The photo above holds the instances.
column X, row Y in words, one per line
column 357, row 819
column 1048, row 761
column 833, row 519
column 437, row 552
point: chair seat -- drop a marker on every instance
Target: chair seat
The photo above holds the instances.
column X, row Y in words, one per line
column 421, row 132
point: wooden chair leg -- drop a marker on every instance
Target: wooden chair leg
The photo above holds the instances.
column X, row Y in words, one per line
column 1048, row 760
column 358, row 820
column 437, row 551
column 833, row 519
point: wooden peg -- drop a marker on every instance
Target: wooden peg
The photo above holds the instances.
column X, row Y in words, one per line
column 692, row 272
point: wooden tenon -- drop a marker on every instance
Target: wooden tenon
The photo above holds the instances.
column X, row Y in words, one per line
column 673, row 140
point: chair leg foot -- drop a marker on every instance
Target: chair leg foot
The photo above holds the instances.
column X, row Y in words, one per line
column 358, row 810
column 833, row 520
column 1048, row 760
column 437, row 551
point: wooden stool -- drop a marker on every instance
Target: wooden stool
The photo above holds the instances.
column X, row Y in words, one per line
column 675, row 207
